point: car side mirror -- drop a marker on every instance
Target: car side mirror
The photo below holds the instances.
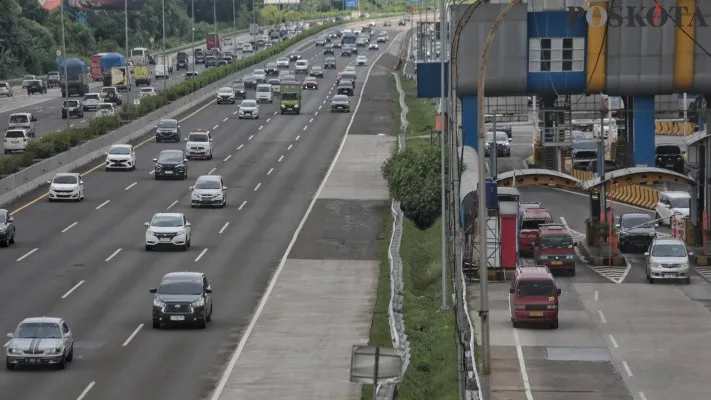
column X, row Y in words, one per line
column 10, row 335
column 691, row 254
column 656, row 225
column 224, row 188
column 11, row 219
column 155, row 160
column 188, row 224
column 146, row 224
column 185, row 160
column 50, row 182
column 208, row 290
column 34, row 119
column 512, row 290
column 646, row 253
column 191, row 188
column 155, row 126
column 81, row 182
column 211, row 139
column 559, row 292
column 154, row 290
column 617, row 226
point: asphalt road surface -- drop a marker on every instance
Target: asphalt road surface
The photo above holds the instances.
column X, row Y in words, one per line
column 86, row 261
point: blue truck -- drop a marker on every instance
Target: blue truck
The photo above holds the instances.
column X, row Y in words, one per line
column 77, row 79
column 108, row 61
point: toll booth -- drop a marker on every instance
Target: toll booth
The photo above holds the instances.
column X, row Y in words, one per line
column 509, row 200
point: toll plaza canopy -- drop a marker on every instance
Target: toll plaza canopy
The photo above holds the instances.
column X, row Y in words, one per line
column 524, row 177
column 636, row 176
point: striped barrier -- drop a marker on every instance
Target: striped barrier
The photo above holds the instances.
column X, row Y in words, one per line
column 673, row 127
column 636, row 195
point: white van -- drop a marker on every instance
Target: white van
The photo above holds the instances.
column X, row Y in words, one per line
column 264, row 93
column 302, row 67
column 161, row 71
column 24, row 121
column 16, row 140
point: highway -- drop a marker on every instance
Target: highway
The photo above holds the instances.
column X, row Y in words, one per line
column 86, row 263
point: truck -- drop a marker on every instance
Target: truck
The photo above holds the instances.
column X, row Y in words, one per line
column 120, row 79
column 77, row 78
column 142, row 75
column 140, row 56
column 95, row 67
column 183, row 61
column 212, row 41
column 108, row 61
column 290, row 101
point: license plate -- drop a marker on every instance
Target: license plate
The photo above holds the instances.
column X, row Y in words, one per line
column 556, row 262
column 169, row 172
column 668, row 275
column 535, row 314
column 165, row 239
column 670, row 165
column 177, row 318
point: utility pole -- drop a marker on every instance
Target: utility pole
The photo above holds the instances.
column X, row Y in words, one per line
column 214, row 14
column 128, row 53
column 165, row 64
column 442, row 133
column 234, row 17
column 493, row 148
column 192, row 6
column 253, row 30
column 64, row 51
column 481, row 215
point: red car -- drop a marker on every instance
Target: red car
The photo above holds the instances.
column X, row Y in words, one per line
column 310, row 83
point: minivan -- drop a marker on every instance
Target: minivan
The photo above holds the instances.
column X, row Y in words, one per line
column 533, row 297
column 264, row 93
column 16, row 140
column 24, row 121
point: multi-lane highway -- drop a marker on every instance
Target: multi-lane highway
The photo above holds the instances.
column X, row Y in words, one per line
column 86, row 263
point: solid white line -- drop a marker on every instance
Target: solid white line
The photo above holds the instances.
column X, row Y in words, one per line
column 27, row 254
column 258, row 186
column 324, row 102
column 319, row 107
column 627, row 270
column 172, row 204
column 270, row 171
column 260, row 127
column 316, row 113
column 298, row 137
column 223, row 228
column 276, row 112
column 642, row 396
column 602, row 317
column 202, row 253
column 235, row 113
column 82, row 121
column 133, row 334
column 112, row 255
column 268, row 119
column 241, row 206
column 280, row 158
column 152, row 171
column 627, row 368
column 306, row 127
column 70, row 227
column 75, row 287
column 103, row 204
column 215, row 127
column 311, row 120
column 250, row 137
column 224, row 120
column 290, row 146
column 227, row 158
column 240, row 147
column 275, row 277
column 614, row 342
column 86, row 390
column 522, row 366
column 71, row 126
column 131, row 185
column 211, row 171
column 596, row 295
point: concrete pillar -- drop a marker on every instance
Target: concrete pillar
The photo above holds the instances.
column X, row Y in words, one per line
column 470, row 120
column 629, row 129
column 643, row 127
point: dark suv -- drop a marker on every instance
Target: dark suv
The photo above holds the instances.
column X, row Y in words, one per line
column 271, row 69
column 637, row 231
column 72, row 108
column 240, row 90
column 345, row 87
column 167, row 130
column 670, row 156
column 36, row 86
column 7, row 228
column 171, row 164
column 182, row 298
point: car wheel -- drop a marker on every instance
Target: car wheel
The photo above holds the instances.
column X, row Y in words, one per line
column 6, row 242
column 148, row 248
column 656, row 216
column 70, row 356
column 185, row 247
column 203, row 322
column 62, row 363
column 687, row 281
column 650, row 279
column 156, row 324
column 209, row 315
column 8, row 365
column 554, row 325
column 12, row 239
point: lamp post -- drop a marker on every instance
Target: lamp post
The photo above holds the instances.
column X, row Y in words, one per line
column 214, row 14
column 192, row 6
column 443, row 132
column 234, row 16
column 64, row 51
column 128, row 53
column 254, row 22
column 165, row 64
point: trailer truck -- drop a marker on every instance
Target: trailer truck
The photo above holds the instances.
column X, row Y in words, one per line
column 95, row 67
column 120, row 79
column 213, row 41
column 109, row 61
column 77, row 78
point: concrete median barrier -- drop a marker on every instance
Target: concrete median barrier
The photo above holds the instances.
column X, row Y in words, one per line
column 673, row 127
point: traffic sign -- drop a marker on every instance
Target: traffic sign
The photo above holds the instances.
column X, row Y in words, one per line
column 151, row 40
column 59, row 53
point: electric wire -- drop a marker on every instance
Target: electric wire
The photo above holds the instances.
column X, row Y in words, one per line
column 684, row 31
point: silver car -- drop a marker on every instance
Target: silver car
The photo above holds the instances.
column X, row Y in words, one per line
column 209, row 190
column 40, row 341
column 668, row 259
column 5, row 89
column 91, row 101
column 249, row 109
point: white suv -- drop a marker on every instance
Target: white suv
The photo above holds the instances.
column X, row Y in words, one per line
column 121, row 156
column 671, row 203
column 16, row 140
column 264, row 93
column 199, row 145
column 168, row 229
column 302, row 67
column 668, row 259
column 209, row 190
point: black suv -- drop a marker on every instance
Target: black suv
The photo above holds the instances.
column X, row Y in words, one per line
column 636, row 231
column 36, row 86
column 171, row 164
column 670, row 156
column 53, row 79
column 182, row 62
column 345, row 87
column 182, row 298
column 72, row 108
column 199, row 57
column 167, row 130
column 271, row 69
column 328, row 49
column 7, row 228
column 329, row 63
column 295, row 57
column 250, row 82
column 240, row 90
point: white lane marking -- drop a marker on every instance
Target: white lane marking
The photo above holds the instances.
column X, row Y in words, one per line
column 602, row 316
column 311, row 120
column 276, row 112
column 522, row 366
column 235, row 113
column 642, row 396
column 280, row 158
column 250, row 137
column 614, row 342
column 103, row 204
column 215, row 127
column 275, row 277
column 75, row 287
column 319, row 107
column 70, row 226
column 132, row 335
column 202, row 253
column 71, row 126
column 241, row 206
column 131, row 185
column 82, row 121
column 172, row 204
column 270, row 171
column 212, row 170
column 29, row 253
column 240, row 147
column 324, row 102
column 596, row 295
column 223, row 228
column 306, row 127
column 224, row 120
column 290, row 146
column 268, row 119
column 316, row 113
column 109, row 258
column 627, row 368
column 258, row 186
column 86, row 390
column 227, row 158
column 298, row 137
column 616, row 274
column 152, row 171
column 260, row 127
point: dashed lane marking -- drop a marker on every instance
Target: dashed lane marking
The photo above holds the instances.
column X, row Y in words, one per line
column 704, row 271
column 215, row 127
column 240, row 147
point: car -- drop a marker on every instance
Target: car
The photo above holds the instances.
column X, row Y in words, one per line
column 168, row 230
column 26, row 80
column 199, row 144
column 121, row 156
column 352, row 48
column 671, row 203
column 345, row 87
column 167, row 130
column 239, row 90
column 191, row 75
column 316, row 71
column 668, row 259
column 329, row 63
column 288, row 78
column 386, row 23
column 361, row 42
column 337, row 44
column 282, row 63
column 91, row 101
column 110, row 94
column 328, row 49
column 345, row 53
column 208, row 190
column 264, row 94
column 310, row 83
column 15, row 140
column 533, row 297
column 320, row 42
column 361, row 61
column 250, row 81
column 66, row 186
column 147, row 92
column 6, row 89
column 72, row 108
column 340, row 103
column 295, row 56
column 182, row 298
column 402, row 22
column 381, row 39
column 373, row 46
column 636, row 231
column 105, row 110
column 670, row 156
column 248, row 109
column 22, row 120
column 170, row 164
column 272, row 69
column 36, row 86
column 226, row 95
column 302, row 67
column 40, row 341
column 502, row 144
column 259, row 75
column 276, row 85
column 7, row 228
column 210, row 61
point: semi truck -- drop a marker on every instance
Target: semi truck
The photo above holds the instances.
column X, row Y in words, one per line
column 290, row 102
column 95, row 67
column 109, row 61
column 77, row 78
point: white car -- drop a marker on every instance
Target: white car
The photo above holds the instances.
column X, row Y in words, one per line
column 16, row 140
column 301, row 67
column 226, row 95
column 283, row 63
column 671, row 203
column 209, row 190
column 199, row 145
column 40, row 341
column 248, row 109
column 66, row 186
column 91, row 101
column 5, row 89
column 27, row 79
column 263, row 93
column 105, row 110
column 668, row 259
column 373, row 46
column 121, row 156
column 361, row 60
column 168, row 229
column 260, row 75
column 147, row 91
column 22, row 120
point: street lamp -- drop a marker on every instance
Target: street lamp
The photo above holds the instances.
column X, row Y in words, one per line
column 128, row 53
column 214, row 14
column 64, row 50
column 192, row 14
column 165, row 64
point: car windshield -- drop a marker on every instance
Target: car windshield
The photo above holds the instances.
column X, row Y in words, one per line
column 71, row 103
column 65, row 179
column 289, row 96
column 238, row 85
column 535, row 288
column 166, row 124
column 170, row 158
column 669, row 250
column 14, row 134
column 586, row 144
column 671, row 150
column 18, row 119
column 258, row 72
column 345, row 83
column 208, row 184
column 167, row 221
column 340, row 99
column 310, row 79
column 679, row 202
column 577, row 135
column 146, row 90
column 500, row 137
column 315, row 68
column 248, row 103
column 274, row 82
column 120, row 150
column 533, row 223
column 3, row 216
column 225, row 90
column 264, row 89
column 93, row 96
column 34, row 330
column 635, row 221
column 181, row 287
column 198, row 137
column 555, row 241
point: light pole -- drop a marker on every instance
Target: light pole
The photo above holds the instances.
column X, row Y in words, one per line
column 254, row 22
column 165, row 64
column 192, row 6
column 128, row 53
column 442, row 132
column 214, row 14
column 64, row 51
column 234, row 17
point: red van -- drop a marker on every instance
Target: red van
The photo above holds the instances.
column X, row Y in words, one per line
column 554, row 248
column 533, row 297
column 531, row 219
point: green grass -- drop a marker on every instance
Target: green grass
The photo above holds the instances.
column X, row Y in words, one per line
column 421, row 115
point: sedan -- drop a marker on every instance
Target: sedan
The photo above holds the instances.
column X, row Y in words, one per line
column 345, row 87
column 310, row 83
column 250, row 82
column 329, row 63
column 340, row 103
column 295, row 57
column 361, row 61
column 373, row 46
column 226, row 95
column 316, row 71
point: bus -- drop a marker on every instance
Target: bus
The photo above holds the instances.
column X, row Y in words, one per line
column 349, row 37
column 140, row 56
column 212, row 41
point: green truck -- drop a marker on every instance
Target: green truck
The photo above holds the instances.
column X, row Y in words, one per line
column 290, row 97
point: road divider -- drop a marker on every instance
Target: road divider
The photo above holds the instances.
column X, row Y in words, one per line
column 636, row 195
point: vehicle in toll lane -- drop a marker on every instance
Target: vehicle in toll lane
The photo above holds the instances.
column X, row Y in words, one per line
column 525, row 205
column 248, row 109
column 182, row 298
column 554, row 248
column 671, row 203
column 7, row 228
column 295, row 56
column 91, row 101
column 40, row 341
column 167, row 130
column 272, row 69
column 282, row 63
column 105, row 110
column 147, row 92
column 329, row 63
column 381, row 39
column 337, row 44
column 199, row 145
column 53, row 79
column 72, row 108
column 24, row 121
column 121, row 156
column 250, row 81
column 584, row 152
column 636, row 231
column 670, row 156
column 110, row 94
column 6, row 89
column 208, row 190
column 361, row 61
column 502, row 143
column 345, row 87
column 276, row 86
column 168, row 230
column 533, row 297
column 402, row 22
column 340, row 103
column 531, row 220
column 66, row 186
column 352, row 48
column 170, row 164
column 310, row 83
column 226, row 95
column 16, row 140
column 373, row 46
column 668, row 259
column 259, row 75
column 36, row 86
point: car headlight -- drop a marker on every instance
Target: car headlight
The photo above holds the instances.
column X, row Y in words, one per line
column 654, row 265
column 181, row 232
column 552, row 306
column 58, row 350
column 12, row 350
column 519, row 307
column 159, row 167
column 685, row 264
column 199, row 302
column 3, row 228
column 150, row 232
column 624, row 234
column 158, row 303
column 179, row 166
column 652, row 233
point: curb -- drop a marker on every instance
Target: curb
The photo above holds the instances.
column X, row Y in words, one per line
column 598, row 261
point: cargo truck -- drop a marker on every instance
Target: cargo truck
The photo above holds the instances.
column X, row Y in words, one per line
column 108, row 61
column 120, row 79
column 77, row 78
column 95, row 67
column 142, row 75
column 290, row 101
column 212, row 41
column 183, row 61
